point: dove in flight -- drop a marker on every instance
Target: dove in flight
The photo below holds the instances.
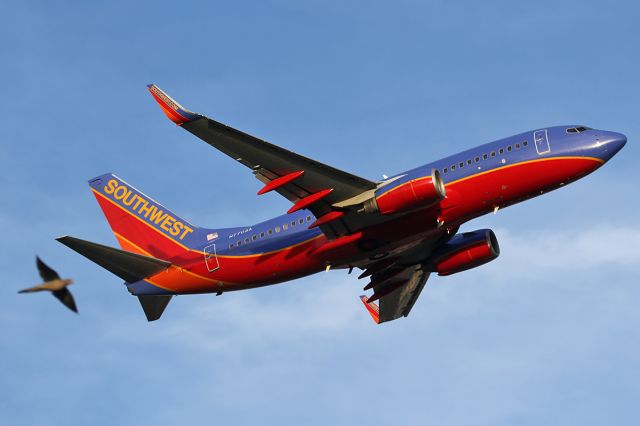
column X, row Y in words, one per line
column 54, row 284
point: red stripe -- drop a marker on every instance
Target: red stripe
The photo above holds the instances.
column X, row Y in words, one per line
column 169, row 112
column 372, row 308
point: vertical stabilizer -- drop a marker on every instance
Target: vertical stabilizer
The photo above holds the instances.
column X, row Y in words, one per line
column 141, row 224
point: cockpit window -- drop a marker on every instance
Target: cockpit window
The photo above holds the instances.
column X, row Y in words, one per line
column 579, row 129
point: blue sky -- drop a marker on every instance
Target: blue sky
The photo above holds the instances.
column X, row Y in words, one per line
column 547, row 333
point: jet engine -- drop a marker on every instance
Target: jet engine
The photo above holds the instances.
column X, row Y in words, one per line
column 465, row 251
column 413, row 195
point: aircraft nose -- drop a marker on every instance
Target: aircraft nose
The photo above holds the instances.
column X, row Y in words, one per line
column 609, row 143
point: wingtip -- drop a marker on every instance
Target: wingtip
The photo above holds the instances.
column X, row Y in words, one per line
column 172, row 109
column 372, row 308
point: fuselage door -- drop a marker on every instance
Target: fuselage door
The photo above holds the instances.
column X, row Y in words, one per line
column 211, row 258
column 542, row 141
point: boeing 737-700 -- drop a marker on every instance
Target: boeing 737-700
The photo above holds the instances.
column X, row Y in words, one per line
column 397, row 231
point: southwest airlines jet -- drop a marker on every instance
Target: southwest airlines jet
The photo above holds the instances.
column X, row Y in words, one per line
column 397, row 231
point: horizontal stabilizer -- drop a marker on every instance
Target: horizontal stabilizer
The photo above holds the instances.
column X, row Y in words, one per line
column 131, row 267
column 154, row 306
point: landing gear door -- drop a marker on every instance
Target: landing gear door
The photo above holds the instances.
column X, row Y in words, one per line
column 542, row 141
column 211, row 258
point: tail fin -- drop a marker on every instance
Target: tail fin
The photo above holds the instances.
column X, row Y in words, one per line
column 141, row 224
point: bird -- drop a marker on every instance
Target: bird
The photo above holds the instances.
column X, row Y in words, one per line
column 54, row 284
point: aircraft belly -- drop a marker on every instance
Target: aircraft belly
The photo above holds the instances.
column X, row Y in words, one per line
column 480, row 194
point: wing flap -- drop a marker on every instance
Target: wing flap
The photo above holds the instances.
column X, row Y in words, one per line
column 256, row 153
column 293, row 176
column 396, row 295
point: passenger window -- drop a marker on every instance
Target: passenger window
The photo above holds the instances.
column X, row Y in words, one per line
column 254, row 237
column 262, row 235
column 293, row 223
column 285, row 226
column 517, row 146
column 525, row 143
column 231, row 246
column 277, row 229
column 446, row 169
column 509, row 148
column 453, row 167
column 246, row 240
column 461, row 165
column 239, row 243
column 501, row 151
column 493, row 153
column 308, row 218
column 485, row 156
column 301, row 221
column 477, row 159
column 469, row 162
column 270, row 232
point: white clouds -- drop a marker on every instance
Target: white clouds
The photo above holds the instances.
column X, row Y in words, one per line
column 327, row 303
column 311, row 305
column 569, row 249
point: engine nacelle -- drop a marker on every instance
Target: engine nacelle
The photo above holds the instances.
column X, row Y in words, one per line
column 466, row 251
column 417, row 194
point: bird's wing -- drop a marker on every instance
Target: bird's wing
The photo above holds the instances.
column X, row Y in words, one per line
column 66, row 298
column 40, row 287
column 46, row 272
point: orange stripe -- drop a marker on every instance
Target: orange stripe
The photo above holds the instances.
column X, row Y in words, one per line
column 143, row 251
column 495, row 170
column 199, row 251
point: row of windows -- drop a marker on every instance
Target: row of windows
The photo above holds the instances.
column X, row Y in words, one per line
column 484, row 157
column 276, row 230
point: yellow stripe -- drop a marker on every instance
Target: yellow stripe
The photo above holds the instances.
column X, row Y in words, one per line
column 140, row 219
column 539, row 160
column 172, row 265
column 495, row 170
column 199, row 251
column 274, row 251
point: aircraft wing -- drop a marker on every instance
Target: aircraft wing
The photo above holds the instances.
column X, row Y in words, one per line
column 396, row 289
column 307, row 183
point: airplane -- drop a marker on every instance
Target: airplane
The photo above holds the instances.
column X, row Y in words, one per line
column 398, row 230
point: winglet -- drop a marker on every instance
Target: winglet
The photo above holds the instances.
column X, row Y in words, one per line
column 171, row 108
column 372, row 308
